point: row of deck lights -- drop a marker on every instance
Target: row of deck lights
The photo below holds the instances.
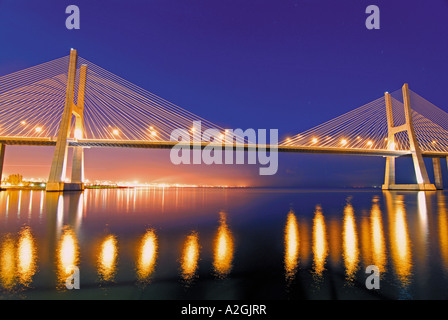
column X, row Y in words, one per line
column 116, row 132
column 154, row 133
column 37, row 129
column 343, row 141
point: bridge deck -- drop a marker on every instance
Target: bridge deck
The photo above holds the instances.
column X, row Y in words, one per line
column 247, row 147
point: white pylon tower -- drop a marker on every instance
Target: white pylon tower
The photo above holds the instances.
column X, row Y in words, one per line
column 421, row 174
column 56, row 179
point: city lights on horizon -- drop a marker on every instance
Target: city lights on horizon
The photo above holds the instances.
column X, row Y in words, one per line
column 40, row 182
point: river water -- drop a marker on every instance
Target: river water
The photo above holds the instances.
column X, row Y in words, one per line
column 211, row 243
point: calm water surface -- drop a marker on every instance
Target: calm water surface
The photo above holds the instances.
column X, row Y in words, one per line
column 194, row 243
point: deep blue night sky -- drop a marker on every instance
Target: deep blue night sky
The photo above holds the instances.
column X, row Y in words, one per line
column 245, row 64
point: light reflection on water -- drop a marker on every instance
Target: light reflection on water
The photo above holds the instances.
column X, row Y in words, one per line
column 320, row 245
column 17, row 259
column 333, row 235
column 26, row 256
column 8, row 263
column 443, row 230
column 377, row 236
column 350, row 243
column 107, row 258
column 67, row 254
column 291, row 245
column 147, row 255
column 190, row 257
column 400, row 243
column 224, row 247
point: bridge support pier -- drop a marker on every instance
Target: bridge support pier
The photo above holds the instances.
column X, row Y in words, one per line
column 437, row 173
column 389, row 177
column 64, row 186
column 78, row 165
column 421, row 174
column 56, row 179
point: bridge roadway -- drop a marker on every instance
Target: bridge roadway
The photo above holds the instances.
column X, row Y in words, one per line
column 29, row 141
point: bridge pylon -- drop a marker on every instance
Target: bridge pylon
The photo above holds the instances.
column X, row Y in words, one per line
column 421, row 174
column 57, row 177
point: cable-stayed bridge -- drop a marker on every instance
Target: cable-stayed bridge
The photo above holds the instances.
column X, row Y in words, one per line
column 38, row 107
